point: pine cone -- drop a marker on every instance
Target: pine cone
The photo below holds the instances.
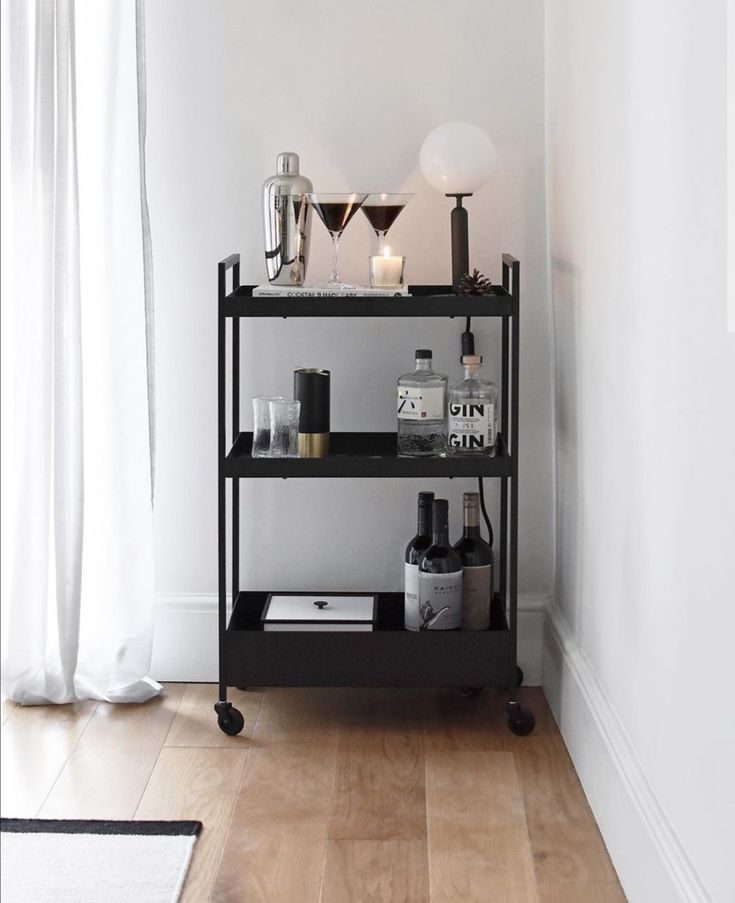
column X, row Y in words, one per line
column 476, row 284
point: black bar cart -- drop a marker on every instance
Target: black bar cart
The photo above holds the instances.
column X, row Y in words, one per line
column 389, row 655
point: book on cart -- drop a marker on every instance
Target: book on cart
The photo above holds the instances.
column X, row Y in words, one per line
column 315, row 291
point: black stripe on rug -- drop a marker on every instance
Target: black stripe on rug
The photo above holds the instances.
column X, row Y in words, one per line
column 98, row 826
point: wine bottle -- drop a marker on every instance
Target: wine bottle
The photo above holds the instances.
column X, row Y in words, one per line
column 414, row 550
column 440, row 577
column 477, row 567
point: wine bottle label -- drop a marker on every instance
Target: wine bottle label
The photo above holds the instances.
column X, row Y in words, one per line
column 416, row 403
column 411, row 604
column 471, row 425
column 440, row 601
column 476, row 591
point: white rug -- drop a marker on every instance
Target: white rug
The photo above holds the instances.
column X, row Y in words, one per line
column 46, row 861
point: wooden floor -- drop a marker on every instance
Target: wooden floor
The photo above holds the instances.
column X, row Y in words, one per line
column 328, row 795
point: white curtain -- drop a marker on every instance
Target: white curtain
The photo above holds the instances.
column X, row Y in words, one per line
column 77, row 424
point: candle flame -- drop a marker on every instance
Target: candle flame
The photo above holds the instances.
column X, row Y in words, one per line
column 386, row 252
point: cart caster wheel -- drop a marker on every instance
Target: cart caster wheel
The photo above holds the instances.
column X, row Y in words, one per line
column 519, row 678
column 471, row 692
column 229, row 719
column 519, row 720
column 231, row 723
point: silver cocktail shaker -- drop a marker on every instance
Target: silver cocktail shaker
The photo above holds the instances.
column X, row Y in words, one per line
column 287, row 222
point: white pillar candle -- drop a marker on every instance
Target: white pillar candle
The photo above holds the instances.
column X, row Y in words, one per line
column 386, row 271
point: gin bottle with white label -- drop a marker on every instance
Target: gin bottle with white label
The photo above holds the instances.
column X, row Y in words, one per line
column 472, row 427
column 422, row 410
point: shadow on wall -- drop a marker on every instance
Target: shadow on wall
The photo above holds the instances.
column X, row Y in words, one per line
column 568, row 453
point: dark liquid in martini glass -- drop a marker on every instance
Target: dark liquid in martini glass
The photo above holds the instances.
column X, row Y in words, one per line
column 382, row 210
column 382, row 216
column 336, row 214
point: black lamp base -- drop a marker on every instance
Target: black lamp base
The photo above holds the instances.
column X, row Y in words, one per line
column 460, row 240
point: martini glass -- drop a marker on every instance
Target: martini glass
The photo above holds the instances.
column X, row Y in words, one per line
column 335, row 211
column 382, row 210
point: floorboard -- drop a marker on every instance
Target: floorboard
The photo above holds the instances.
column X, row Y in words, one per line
column 379, row 791
column 565, row 841
column 276, row 846
column 199, row 784
column 376, row 871
column 107, row 771
column 478, row 839
column 582, row 892
column 36, row 744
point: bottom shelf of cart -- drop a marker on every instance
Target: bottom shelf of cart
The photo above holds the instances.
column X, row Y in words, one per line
column 387, row 656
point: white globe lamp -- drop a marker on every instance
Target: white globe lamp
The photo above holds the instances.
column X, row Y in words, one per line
column 457, row 158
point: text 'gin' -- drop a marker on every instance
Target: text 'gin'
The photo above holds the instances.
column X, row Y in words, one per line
column 473, row 412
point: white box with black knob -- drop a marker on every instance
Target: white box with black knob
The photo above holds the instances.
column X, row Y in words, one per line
column 320, row 612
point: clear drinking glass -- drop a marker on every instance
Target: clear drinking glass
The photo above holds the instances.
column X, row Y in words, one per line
column 284, row 419
column 262, row 425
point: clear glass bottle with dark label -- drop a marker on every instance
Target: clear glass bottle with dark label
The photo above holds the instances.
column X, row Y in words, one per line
column 440, row 577
column 477, row 567
column 422, row 410
column 415, row 549
column 472, row 425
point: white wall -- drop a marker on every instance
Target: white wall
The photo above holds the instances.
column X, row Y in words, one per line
column 640, row 646
column 353, row 88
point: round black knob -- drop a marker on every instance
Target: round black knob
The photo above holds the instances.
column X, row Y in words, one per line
column 320, row 604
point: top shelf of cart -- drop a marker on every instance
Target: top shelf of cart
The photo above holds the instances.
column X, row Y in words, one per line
column 425, row 301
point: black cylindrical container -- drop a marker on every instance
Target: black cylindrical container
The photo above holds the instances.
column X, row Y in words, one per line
column 311, row 388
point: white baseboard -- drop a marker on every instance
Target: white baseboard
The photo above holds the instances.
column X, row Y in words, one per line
column 652, row 865
column 185, row 639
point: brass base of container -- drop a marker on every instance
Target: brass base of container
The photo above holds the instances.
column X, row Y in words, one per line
column 313, row 445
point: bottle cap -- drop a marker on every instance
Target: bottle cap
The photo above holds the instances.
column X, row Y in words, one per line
column 471, row 359
column 287, row 163
column 471, row 499
column 423, row 354
column 426, row 499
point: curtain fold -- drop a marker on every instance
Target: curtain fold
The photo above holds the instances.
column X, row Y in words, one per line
column 77, row 405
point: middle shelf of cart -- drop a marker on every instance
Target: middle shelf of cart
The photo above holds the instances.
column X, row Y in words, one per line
column 365, row 455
